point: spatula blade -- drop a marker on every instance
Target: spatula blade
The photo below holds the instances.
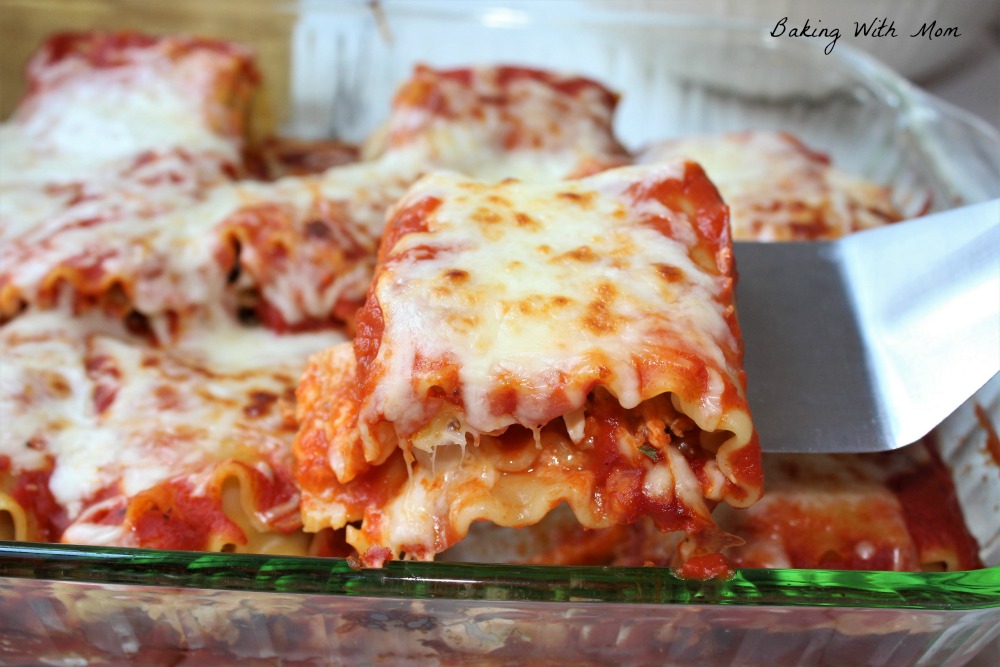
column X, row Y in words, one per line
column 869, row 342
column 805, row 360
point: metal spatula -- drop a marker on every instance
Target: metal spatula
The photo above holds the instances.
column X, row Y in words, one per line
column 867, row 343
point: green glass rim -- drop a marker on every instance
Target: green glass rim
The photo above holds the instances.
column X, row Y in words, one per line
column 973, row 589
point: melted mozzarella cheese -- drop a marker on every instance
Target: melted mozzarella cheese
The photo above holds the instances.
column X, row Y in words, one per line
column 493, row 123
column 466, row 148
column 164, row 242
column 63, row 141
column 115, row 139
column 537, row 286
column 83, row 115
column 43, row 388
column 778, row 189
column 155, row 227
column 114, row 411
column 95, row 534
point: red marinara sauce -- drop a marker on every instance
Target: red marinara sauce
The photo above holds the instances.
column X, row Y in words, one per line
column 706, row 567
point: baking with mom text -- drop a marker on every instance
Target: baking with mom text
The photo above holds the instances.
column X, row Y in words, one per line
column 876, row 28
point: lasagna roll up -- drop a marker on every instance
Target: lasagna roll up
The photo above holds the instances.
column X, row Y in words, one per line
column 495, row 122
column 779, row 189
column 110, row 440
column 525, row 345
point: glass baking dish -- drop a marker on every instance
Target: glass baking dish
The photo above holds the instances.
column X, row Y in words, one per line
column 331, row 68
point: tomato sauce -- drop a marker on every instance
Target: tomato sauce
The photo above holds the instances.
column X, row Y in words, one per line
column 173, row 516
column 31, row 491
column 698, row 197
column 374, row 488
column 618, row 482
column 411, row 219
column 102, row 51
column 277, row 490
column 932, row 513
column 706, row 567
column 992, row 439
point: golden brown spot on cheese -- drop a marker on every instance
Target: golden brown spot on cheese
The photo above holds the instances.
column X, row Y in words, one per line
column 526, row 306
column 486, row 216
column 457, row 275
column 497, row 200
column 581, row 254
column 671, row 274
column 545, row 249
column 260, row 404
column 599, row 316
column 57, row 385
column 622, row 252
column 584, row 199
column 541, row 304
column 526, row 221
column 464, row 323
column 440, row 291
